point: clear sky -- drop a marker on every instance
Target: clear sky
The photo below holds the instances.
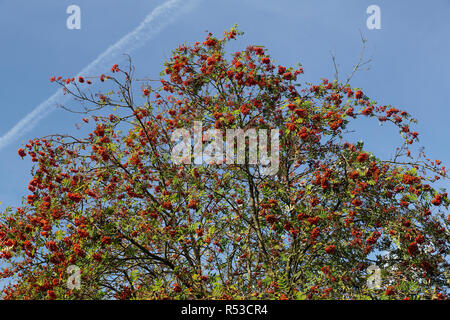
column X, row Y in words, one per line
column 410, row 68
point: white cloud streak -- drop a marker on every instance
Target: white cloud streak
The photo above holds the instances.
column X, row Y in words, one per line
column 153, row 24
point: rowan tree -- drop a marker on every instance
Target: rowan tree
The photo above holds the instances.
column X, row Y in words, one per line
column 139, row 225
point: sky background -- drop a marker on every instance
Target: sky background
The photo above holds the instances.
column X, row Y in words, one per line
column 410, row 58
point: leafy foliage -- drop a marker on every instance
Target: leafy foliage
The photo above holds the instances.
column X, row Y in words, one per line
column 141, row 227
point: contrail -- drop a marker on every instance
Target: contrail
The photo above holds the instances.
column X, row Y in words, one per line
column 153, row 23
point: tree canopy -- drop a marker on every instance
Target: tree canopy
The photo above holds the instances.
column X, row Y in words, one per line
column 139, row 225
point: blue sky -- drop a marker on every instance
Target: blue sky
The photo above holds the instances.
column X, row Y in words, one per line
column 410, row 67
